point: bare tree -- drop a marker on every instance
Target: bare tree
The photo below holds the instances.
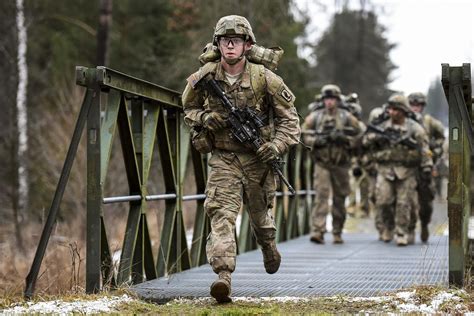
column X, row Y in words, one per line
column 22, row 120
column 105, row 21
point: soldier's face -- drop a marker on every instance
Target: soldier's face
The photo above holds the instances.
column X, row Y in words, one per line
column 233, row 47
column 396, row 114
column 330, row 103
column 416, row 107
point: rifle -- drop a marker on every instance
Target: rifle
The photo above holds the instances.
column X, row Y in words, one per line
column 328, row 134
column 393, row 136
column 348, row 131
column 245, row 126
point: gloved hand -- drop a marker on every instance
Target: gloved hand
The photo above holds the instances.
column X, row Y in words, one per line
column 320, row 141
column 426, row 174
column 378, row 139
column 337, row 136
column 268, row 152
column 213, row 121
column 357, row 171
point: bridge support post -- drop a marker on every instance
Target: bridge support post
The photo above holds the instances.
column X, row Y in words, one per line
column 457, row 87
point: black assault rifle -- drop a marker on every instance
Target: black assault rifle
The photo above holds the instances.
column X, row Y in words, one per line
column 394, row 137
column 245, row 125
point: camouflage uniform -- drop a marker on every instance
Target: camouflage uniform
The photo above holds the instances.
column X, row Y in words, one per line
column 376, row 117
column 426, row 189
column 358, row 177
column 397, row 167
column 332, row 157
column 236, row 170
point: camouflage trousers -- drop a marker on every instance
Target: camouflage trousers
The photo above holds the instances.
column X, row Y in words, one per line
column 396, row 204
column 426, row 194
column 235, row 178
column 362, row 185
column 327, row 179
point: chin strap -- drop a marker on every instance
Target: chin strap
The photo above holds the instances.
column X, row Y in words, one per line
column 233, row 61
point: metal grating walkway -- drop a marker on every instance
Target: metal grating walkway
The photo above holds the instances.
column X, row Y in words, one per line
column 362, row 266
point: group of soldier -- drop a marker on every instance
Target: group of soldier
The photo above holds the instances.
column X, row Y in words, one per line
column 243, row 114
column 396, row 150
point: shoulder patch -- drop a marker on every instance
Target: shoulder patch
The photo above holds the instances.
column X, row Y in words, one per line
column 285, row 94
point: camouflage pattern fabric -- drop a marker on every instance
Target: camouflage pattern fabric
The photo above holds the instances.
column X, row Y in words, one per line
column 235, row 169
column 258, row 88
column 396, row 195
column 400, row 193
column 333, row 179
column 234, row 178
column 427, row 190
column 327, row 152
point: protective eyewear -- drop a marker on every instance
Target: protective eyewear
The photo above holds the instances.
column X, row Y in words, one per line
column 234, row 40
column 416, row 102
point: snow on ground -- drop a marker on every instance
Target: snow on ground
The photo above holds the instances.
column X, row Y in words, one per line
column 410, row 305
column 102, row 305
column 405, row 302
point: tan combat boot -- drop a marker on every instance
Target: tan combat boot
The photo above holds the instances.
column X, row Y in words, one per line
column 380, row 235
column 271, row 258
column 337, row 239
column 220, row 289
column 317, row 238
column 402, row 240
column 425, row 233
column 387, row 235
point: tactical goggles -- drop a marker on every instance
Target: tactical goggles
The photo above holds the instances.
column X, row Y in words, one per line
column 416, row 102
column 224, row 41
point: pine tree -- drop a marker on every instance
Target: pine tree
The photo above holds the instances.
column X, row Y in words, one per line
column 436, row 104
column 354, row 54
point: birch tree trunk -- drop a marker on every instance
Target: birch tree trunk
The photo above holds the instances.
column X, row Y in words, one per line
column 22, row 121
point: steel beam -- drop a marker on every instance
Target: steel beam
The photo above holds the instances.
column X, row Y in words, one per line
column 109, row 78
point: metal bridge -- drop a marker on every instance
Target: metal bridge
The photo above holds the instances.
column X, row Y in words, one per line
column 146, row 115
column 362, row 266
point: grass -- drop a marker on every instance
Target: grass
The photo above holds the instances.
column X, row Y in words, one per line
column 320, row 306
column 247, row 306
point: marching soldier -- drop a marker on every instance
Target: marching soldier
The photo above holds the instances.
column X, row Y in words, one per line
column 329, row 131
column 400, row 148
column 238, row 173
column 426, row 186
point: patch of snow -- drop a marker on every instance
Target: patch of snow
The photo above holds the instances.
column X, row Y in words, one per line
column 282, row 299
column 409, row 304
column 102, row 305
column 405, row 295
column 377, row 299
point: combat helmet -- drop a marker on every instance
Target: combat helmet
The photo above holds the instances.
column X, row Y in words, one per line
column 399, row 101
column 417, row 97
column 233, row 25
column 330, row 91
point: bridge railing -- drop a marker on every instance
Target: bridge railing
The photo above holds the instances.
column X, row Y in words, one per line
column 457, row 88
column 147, row 115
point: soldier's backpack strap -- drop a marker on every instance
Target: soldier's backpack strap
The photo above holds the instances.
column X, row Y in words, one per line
column 341, row 119
column 209, row 68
